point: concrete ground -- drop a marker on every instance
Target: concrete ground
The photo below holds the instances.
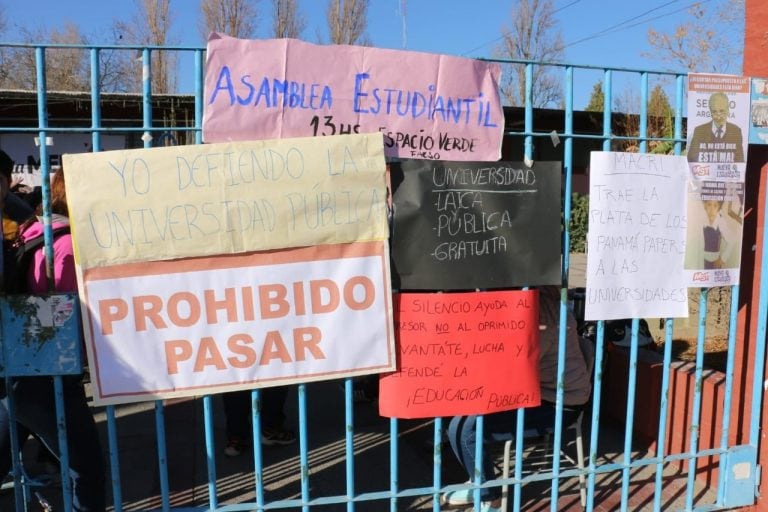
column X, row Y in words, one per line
column 234, row 476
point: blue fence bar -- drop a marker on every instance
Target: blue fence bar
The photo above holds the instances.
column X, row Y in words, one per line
column 304, row 443
column 696, row 412
column 258, row 456
column 393, row 464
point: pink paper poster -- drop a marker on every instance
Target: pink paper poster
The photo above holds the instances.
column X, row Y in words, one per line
column 428, row 106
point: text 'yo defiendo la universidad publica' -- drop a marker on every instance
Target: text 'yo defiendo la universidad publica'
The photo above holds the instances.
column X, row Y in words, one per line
column 224, row 198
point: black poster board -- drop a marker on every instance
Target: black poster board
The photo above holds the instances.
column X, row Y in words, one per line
column 467, row 225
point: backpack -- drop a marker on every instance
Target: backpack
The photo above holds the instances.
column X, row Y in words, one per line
column 17, row 256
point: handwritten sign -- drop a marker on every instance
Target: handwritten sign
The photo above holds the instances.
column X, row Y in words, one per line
column 636, row 237
column 204, row 200
column 210, row 268
column 467, row 225
column 428, row 106
column 463, row 353
column 207, row 325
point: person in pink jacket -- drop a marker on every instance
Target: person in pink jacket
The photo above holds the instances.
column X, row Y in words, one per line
column 34, row 396
column 63, row 254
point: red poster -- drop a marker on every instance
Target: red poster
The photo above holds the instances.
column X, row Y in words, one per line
column 462, row 354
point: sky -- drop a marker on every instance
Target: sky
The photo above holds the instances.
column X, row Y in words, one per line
column 605, row 33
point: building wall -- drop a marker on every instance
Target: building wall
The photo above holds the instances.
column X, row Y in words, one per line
column 23, row 149
column 755, row 64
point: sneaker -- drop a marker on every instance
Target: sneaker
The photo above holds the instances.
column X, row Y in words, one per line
column 460, row 498
column 235, row 446
column 277, row 436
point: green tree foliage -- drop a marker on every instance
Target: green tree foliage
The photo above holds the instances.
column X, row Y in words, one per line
column 660, row 121
column 597, row 99
column 4, row 53
column 579, row 222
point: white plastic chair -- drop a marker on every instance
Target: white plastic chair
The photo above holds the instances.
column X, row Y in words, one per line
column 547, row 444
column 588, row 352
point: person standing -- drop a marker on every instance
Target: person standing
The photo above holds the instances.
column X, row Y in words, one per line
column 34, row 396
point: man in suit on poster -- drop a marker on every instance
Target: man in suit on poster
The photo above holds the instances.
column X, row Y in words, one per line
column 717, row 141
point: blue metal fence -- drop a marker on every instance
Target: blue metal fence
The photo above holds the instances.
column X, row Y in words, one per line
column 603, row 470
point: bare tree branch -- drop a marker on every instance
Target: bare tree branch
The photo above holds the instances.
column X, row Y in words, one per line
column 533, row 35
column 236, row 18
column 348, row 21
column 709, row 40
column 117, row 68
column 287, row 20
column 66, row 69
column 152, row 27
column 3, row 51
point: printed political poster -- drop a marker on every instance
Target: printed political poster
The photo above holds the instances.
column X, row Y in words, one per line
column 637, row 226
column 715, row 220
column 212, row 268
column 718, row 129
column 718, row 119
column 427, row 106
column 457, row 351
column 758, row 128
column 467, row 225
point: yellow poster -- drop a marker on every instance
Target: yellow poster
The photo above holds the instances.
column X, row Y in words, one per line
column 186, row 201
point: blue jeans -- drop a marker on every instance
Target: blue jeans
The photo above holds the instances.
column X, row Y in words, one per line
column 462, row 435
column 36, row 410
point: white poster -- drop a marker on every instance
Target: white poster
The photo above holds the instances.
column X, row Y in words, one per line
column 636, row 236
column 207, row 325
